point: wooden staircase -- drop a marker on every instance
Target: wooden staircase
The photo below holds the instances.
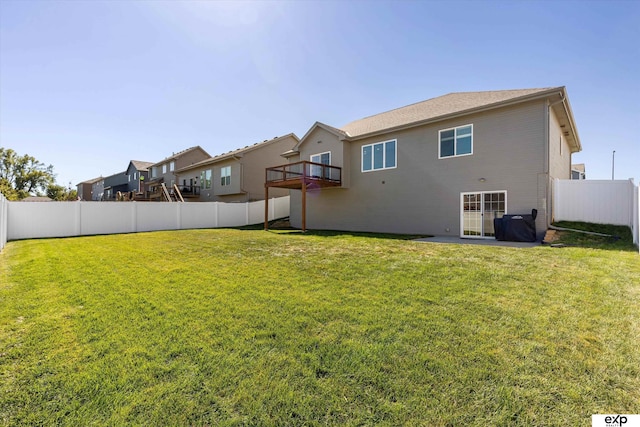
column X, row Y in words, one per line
column 174, row 196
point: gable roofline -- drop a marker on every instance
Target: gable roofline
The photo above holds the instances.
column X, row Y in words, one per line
column 538, row 94
column 337, row 132
column 572, row 122
column 90, row 181
column 238, row 152
column 179, row 154
column 139, row 165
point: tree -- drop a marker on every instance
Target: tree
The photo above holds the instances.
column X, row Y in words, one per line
column 21, row 176
column 60, row 193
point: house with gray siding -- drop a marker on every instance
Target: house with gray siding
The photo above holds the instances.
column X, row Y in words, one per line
column 163, row 172
column 236, row 176
column 114, row 184
column 137, row 174
column 446, row 166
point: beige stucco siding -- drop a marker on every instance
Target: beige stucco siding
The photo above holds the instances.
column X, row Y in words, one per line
column 322, row 141
column 422, row 194
column 247, row 173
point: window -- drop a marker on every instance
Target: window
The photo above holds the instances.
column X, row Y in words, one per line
column 135, row 176
column 164, row 168
column 225, row 175
column 381, row 155
column 154, row 172
column 325, row 159
column 456, row 141
column 205, row 179
column 172, row 166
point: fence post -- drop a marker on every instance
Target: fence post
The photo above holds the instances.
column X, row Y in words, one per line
column 78, row 218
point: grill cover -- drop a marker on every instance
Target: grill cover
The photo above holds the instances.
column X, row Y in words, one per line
column 516, row 228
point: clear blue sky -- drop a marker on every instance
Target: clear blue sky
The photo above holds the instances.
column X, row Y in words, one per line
column 89, row 85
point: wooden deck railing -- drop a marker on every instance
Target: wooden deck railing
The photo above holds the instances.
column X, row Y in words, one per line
column 292, row 175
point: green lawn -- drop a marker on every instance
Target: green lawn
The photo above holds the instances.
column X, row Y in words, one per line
column 246, row 327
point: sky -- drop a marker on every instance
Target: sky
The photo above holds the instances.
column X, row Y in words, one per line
column 87, row 86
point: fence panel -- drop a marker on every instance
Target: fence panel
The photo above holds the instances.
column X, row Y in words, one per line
column 232, row 214
column 3, row 221
column 61, row 219
column 198, row 215
column 596, row 201
column 42, row 219
column 153, row 216
column 106, row 218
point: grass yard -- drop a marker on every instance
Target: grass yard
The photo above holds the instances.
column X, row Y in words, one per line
column 246, row 327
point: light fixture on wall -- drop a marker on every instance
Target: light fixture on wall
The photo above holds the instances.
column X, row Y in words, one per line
column 482, row 179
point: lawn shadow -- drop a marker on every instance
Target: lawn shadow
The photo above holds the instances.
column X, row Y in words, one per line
column 619, row 239
column 290, row 231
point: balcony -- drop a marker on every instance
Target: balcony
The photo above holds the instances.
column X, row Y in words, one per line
column 294, row 175
column 300, row 176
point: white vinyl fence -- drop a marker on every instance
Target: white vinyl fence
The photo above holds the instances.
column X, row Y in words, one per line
column 62, row 219
column 598, row 201
column 3, row 221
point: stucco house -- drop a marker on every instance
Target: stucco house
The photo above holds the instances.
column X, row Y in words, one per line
column 164, row 170
column 446, row 166
column 236, row 176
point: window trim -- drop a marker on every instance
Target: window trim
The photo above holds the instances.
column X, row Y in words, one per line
column 226, row 181
column 384, row 156
column 320, row 154
column 205, row 183
column 455, row 145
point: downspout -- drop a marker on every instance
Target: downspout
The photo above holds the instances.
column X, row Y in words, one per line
column 547, row 166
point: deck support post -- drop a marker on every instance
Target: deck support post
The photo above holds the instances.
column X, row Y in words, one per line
column 266, row 207
column 304, row 206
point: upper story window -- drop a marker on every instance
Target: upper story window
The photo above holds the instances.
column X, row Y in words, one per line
column 205, row 179
column 381, row 155
column 172, row 166
column 154, row 172
column 164, row 168
column 225, row 175
column 456, row 141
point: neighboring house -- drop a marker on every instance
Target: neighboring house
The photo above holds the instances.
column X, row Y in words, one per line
column 163, row 172
column 85, row 189
column 97, row 189
column 137, row 174
column 236, row 176
column 578, row 171
column 114, row 184
column 446, row 166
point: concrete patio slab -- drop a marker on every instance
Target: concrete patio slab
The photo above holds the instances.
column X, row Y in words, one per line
column 482, row 242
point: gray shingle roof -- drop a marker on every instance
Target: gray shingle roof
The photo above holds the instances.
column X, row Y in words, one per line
column 140, row 165
column 434, row 108
column 238, row 151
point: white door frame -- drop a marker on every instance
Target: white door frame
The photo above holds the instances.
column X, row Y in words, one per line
column 482, row 194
